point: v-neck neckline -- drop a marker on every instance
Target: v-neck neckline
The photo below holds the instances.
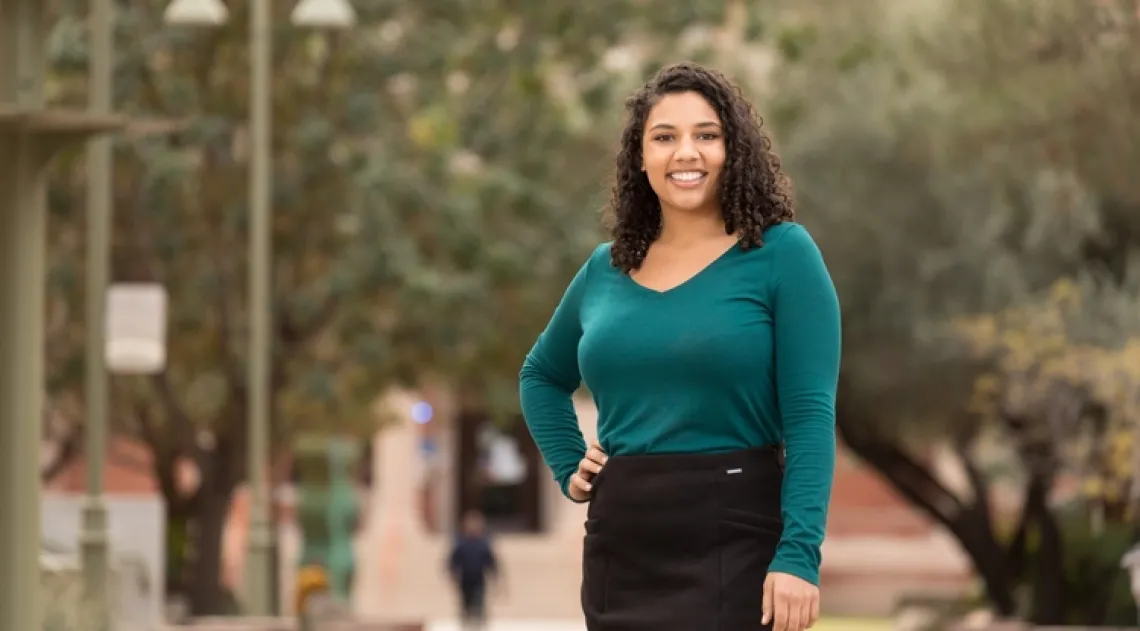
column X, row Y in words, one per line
column 688, row 281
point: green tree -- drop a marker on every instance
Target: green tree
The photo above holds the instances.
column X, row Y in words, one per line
column 1062, row 386
column 436, row 174
column 957, row 159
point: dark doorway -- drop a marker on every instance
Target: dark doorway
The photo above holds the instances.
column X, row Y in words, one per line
column 499, row 473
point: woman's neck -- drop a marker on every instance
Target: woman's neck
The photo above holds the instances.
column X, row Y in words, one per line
column 680, row 228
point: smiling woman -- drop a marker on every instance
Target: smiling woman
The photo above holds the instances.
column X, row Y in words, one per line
column 708, row 334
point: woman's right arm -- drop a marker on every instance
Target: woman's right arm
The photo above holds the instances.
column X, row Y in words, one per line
column 548, row 380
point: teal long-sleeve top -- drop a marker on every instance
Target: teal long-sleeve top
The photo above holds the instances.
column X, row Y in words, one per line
column 744, row 354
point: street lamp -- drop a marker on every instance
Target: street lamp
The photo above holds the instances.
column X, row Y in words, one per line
column 324, row 14
column 314, row 13
column 93, row 538
column 30, row 135
column 199, row 12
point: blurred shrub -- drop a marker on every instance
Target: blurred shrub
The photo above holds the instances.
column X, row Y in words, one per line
column 1097, row 586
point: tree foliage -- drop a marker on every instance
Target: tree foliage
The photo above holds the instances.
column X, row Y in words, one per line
column 958, row 161
column 1070, row 363
column 436, row 174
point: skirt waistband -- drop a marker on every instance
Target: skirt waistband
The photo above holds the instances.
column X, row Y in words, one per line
column 694, row 462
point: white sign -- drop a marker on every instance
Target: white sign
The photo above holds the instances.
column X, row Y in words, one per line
column 136, row 328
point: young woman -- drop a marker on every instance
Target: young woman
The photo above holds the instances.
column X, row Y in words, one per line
column 708, row 332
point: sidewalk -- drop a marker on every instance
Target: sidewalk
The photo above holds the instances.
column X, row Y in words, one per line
column 826, row 624
column 513, row 625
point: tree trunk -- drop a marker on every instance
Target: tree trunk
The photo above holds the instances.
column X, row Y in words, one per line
column 989, row 558
column 207, row 594
column 177, row 545
column 968, row 523
column 968, row 526
column 1049, row 591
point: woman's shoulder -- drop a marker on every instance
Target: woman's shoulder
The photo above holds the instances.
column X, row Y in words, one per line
column 600, row 257
column 787, row 245
column 789, row 238
column 787, row 230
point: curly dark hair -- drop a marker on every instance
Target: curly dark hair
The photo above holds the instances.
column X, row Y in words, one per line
column 753, row 192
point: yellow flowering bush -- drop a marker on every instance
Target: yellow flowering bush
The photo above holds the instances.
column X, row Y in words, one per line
column 1062, row 365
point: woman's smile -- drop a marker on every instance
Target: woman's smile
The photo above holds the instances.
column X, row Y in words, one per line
column 688, row 179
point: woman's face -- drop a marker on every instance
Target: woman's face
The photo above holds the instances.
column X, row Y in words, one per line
column 683, row 152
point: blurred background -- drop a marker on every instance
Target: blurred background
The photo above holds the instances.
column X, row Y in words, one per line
column 331, row 230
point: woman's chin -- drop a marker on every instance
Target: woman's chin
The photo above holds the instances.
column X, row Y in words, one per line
column 695, row 204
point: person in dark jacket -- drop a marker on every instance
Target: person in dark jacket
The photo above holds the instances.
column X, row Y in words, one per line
column 473, row 565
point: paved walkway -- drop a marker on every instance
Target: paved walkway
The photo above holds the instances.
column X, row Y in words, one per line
column 513, row 625
column 827, row 624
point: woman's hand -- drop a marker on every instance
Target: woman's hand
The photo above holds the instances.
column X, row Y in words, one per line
column 790, row 602
column 580, row 485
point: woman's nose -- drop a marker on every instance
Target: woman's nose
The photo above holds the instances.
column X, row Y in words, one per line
column 687, row 150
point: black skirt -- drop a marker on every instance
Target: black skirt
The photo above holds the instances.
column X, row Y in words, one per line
column 681, row 542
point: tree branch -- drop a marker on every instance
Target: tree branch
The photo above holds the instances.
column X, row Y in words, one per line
column 979, row 487
column 1049, row 591
column 67, row 451
column 294, row 333
column 915, row 483
column 1018, row 545
column 65, row 435
column 909, row 478
column 139, row 262
column 858, row 432
column 226, row 270
column 152, row 95
column 225, row 331
column 165, row 458
column 175, row 412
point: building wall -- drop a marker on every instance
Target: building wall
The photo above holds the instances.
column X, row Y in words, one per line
column 129, row 470
column 129, row 475
column 137, row 540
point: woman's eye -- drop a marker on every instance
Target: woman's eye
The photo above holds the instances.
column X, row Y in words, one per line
column 671, row 137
